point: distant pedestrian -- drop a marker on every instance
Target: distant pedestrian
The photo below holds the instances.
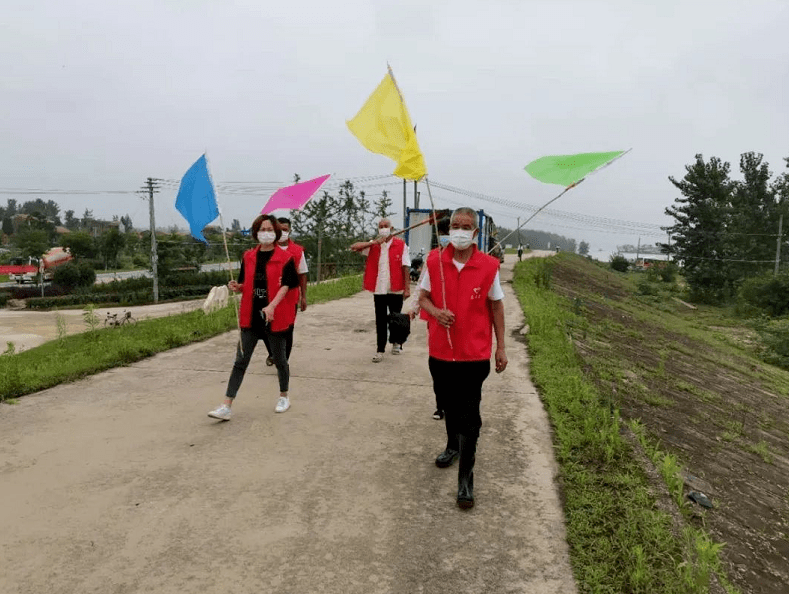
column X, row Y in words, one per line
column 387, row 277
column 297, row 298
column 461, row 328
column 520, row 253
column 266, row 276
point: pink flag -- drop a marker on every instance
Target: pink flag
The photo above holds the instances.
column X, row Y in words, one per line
column 295, row 196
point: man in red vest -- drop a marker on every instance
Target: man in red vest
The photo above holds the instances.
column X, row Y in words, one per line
column 462, row 316
column 296, row 298
column 386, row 276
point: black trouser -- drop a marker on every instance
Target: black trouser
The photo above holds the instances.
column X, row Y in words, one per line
column 249, row 340
column 392, row 302
column 458, row 388
column 288, row 342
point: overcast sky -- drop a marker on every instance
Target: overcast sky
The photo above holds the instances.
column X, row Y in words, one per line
column 100, row 95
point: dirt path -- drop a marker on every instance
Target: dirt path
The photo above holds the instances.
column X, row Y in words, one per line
column 120, row 483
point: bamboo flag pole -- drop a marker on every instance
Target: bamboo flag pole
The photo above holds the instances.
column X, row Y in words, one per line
column 435, row 222
column 227, row 252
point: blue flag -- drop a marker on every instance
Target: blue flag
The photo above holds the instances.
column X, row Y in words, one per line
column 196, row 199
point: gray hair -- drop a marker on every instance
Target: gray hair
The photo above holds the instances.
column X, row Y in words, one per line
column 465, row 210
column 384, row 220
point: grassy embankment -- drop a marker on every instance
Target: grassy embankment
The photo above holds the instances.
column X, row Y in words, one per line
column 619, row 540
column 71, row 357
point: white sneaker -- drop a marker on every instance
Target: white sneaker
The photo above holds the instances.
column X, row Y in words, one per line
column 283, row 404
column 378, row 357
column 222, row 413
column 397, row 349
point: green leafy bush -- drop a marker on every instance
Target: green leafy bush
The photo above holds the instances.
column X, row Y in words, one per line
column 66, row 276
column 768, row 293
column 619, row 263
column 775, row 342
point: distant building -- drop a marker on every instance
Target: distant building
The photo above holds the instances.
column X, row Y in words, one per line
column 641, row 260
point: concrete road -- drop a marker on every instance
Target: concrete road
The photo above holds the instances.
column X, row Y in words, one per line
column 120, row 483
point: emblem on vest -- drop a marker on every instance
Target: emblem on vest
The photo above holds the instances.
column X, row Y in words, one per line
column 476, row 293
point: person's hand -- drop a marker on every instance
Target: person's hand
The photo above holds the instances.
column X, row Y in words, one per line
column 411, row 315
column 501, row 359
column 406, row 292
column 234, row 286
column 268, row 312
column 380, row 239
column 445, row 317
column 303, row 302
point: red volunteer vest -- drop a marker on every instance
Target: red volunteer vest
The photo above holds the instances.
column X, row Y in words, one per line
column 284, row 316
column 295, row 250
column 396, row 282
column 467, row 297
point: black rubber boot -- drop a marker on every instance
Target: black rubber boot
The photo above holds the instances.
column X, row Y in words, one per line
column 468, row 450
column 450, row 454
column 446, row 458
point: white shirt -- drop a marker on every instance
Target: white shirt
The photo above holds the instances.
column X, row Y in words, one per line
column 302, row 267
column 494, row 294
column 383, row 281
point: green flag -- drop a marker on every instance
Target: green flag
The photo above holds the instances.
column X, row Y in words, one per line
column 566, row 170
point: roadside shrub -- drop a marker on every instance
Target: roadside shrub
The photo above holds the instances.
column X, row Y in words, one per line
column 775, row 342
column 86, row 274
column 66, row 276
column 619, row 263
column 28, row 291
column 4, row 297
column 668, row 272
column 768, row 293
column 646, row 287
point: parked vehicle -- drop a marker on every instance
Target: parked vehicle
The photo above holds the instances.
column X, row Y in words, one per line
column 51, row 260
column 112, row 319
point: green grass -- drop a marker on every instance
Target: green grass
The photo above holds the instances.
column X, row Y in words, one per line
column 4, row 278
column 68, row 358
column 619, row 542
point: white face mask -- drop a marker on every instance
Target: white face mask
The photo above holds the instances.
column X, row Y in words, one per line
column 284, row 236
column 443, row 240
column 461, row 238
column 384, row 231
column 266, row 237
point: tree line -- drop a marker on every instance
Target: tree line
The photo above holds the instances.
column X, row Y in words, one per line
column 326, row 226
column 726, row 231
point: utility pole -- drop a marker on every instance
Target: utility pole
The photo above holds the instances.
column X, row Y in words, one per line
column 416, row 196
column 152, row 189
column 638, row 250
column 519, row 231
column 778, row 246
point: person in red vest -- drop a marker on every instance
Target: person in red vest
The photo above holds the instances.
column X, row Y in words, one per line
column 442, row 228
column 387, row 277
column 266, row 278
column 460, row 339
column 298, row 298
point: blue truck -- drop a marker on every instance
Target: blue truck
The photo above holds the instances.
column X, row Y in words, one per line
column 423, row 239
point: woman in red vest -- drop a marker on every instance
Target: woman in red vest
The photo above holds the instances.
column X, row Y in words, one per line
column 387, row 277
column 460, row 339
column 266, row 277
column 298, row 298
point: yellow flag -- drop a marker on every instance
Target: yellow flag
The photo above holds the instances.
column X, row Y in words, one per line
column 383, row 126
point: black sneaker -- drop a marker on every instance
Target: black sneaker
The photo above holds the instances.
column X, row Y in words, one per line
column 438, row 415
column 269, row 361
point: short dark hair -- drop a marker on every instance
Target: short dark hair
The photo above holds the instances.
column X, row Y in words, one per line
column 443, row 226
column 284, row 221
column 253, row 230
